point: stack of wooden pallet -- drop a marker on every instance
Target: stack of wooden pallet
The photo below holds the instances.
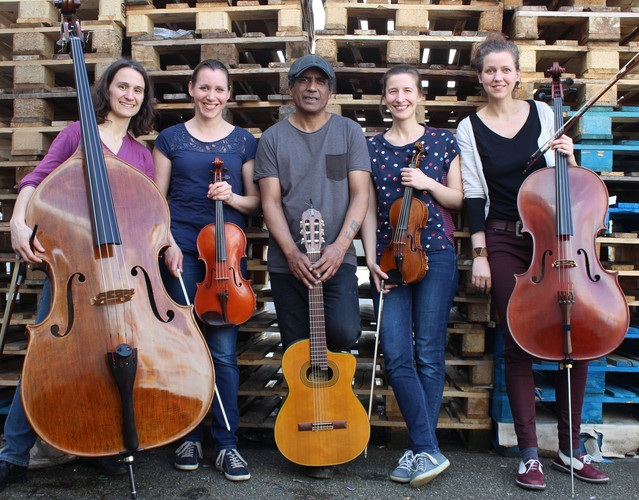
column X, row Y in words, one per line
column 257, row 40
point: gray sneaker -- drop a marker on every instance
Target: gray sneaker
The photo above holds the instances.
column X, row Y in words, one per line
column 427, row 467
column 406, row 466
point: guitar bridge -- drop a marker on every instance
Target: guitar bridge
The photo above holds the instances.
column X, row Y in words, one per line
column 322, row 426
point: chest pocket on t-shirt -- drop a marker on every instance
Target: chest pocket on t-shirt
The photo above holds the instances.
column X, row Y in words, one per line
column 336, row 167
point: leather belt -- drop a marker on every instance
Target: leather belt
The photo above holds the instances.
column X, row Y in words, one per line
column 505, row 225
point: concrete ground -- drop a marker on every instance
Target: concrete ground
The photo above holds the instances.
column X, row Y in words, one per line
column 472, row 475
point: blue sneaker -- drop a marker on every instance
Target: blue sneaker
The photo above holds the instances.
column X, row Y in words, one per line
column 403, row 471
column 188, row 455
column 231, row 463
column 427, row 467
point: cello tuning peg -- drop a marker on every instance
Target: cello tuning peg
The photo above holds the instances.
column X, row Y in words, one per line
column 569, row 82
column 570, row 90
column 541, row 96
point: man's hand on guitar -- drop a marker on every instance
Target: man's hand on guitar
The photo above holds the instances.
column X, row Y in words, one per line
column 329, row 262
column 301, row 268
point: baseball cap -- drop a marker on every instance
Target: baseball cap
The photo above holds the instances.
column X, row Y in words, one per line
column 311, row 61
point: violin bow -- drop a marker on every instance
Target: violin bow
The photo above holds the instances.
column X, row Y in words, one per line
column 217, row 393
column 569, row 123
column 379, row 322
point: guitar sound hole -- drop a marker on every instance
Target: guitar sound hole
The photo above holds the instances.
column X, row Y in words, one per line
column 315, row 375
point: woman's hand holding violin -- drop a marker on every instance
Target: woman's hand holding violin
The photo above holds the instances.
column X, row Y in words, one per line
column 415, row 178
column 220, row 191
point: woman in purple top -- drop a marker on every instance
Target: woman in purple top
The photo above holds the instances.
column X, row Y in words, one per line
column 123, row 104
column 415, row 316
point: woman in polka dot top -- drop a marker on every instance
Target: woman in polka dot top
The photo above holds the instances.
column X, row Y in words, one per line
column 415, row 316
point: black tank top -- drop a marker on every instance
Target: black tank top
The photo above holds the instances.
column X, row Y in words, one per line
column 504, row 161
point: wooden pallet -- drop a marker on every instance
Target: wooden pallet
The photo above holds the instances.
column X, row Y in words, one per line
column 205, row 18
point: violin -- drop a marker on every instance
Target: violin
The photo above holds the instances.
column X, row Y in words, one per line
column 224, row 297
column 404, row 260
column 566, row 306
column 321, row 422
column 116, row 366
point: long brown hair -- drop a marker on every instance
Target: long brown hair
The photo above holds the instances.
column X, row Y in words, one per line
column 142, row 122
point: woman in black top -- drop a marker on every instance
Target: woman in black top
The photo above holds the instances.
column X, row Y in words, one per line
column 495, row 144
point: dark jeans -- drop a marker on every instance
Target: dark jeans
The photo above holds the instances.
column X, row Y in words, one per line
column 509, row 255
column 341, row 308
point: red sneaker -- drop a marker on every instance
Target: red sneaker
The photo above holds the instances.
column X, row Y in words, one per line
column 530, row 476
column 582, row 468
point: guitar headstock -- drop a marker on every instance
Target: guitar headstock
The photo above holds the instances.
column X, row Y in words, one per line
column 312, row 230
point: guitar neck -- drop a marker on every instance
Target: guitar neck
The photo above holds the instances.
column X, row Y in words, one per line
column 318, row 327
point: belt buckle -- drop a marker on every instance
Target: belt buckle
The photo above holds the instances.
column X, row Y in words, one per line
column 518, row 229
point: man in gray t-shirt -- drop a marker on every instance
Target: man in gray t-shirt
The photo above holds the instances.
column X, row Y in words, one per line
column 319, row 156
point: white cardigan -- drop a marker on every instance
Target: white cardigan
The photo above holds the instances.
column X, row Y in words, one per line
column 472, row 169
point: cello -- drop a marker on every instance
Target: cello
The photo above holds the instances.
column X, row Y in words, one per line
column 404, row 260
column 321, row 422
column 224, row 297
column 116, row 366
column 585, row 313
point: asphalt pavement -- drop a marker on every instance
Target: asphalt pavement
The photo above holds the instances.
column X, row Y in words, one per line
column 472, row 475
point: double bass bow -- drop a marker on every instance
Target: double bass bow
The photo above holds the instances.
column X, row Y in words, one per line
column 116, row 366
column 224, row 297
column 404, row 260
column 321, row 422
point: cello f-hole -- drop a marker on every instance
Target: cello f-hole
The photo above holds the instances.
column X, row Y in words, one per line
column 539, row 279
column 594, row 278
column 170, row 314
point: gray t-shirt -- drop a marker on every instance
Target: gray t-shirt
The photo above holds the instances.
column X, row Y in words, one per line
column 312, row 166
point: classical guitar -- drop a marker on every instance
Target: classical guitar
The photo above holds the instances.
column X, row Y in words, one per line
column 321, row 422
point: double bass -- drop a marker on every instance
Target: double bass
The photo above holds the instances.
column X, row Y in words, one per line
column 321, row 422
column 224, row 297
column 116, row 366
column 404, row 260
column 580, row 312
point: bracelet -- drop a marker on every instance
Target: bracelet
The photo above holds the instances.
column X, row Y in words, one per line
column 479, row 252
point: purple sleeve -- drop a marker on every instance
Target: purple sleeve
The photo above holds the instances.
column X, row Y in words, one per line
column 62, row 147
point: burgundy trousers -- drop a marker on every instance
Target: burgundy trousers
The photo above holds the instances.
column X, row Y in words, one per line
column 508, row 255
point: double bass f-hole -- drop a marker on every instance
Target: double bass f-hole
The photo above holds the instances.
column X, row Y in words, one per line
column 404, row 260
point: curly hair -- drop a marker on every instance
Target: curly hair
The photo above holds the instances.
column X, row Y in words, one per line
column 494, row 42
column 142, row 122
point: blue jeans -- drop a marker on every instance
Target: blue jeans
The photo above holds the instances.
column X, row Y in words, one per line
column 18, row 433
column 341, row 308
column 222, row 343
column 413, row 340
